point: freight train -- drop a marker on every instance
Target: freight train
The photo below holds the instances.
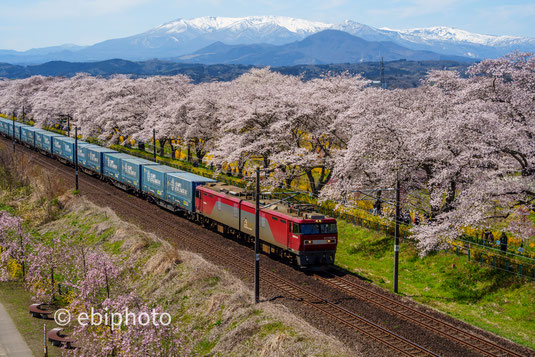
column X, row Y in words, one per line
column 290, row 231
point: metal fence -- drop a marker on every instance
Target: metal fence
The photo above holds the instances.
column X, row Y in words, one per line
column 507, row 262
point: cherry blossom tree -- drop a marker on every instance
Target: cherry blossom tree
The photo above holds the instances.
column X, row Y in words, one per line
column 13, row 245
column 253, row 103
column 463, row 145
column 164, row 98
column 309, row 137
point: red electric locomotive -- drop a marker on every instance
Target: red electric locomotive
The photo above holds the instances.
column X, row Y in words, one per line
column 292, row 232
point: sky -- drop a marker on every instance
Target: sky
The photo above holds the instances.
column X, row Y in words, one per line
column 41, row 23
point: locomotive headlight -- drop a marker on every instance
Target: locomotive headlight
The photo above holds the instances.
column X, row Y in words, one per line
column 308, row 242
column 331, row 241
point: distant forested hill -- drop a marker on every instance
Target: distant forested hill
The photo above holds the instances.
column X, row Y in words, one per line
column 398, row 74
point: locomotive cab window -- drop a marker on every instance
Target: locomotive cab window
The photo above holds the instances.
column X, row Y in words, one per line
column 296, row 228
column 315, row 228
column 197, row 194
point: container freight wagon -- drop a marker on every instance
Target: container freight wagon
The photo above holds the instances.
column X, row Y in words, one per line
column 7, row 128
column 91, row 158
column 63, row 147
column 27, row 134
column 111, row 168
column 4, row 126
column 10, row 129
column 82, row 157
column 18, row 126
column 132, row 171
column 154, row 180
column 37, row 138
column 181, row 188
column 43, row 140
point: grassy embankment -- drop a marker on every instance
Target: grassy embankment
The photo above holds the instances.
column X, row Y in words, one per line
column 490, row 299
column 212, row 308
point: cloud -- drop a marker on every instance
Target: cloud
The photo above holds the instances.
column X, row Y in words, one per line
column 60, row 9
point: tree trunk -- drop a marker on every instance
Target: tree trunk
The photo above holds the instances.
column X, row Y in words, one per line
column 189, row 151
column 266, row 161
column 200, row 154
column 450, row 197
column 323, row 179
column 312, row 182
column 241, row 167
column 162, row 147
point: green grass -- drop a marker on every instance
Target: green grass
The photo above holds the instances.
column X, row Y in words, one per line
column 16, row 301
column 493, row 300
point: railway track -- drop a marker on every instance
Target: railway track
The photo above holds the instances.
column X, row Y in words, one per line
column 397, row 343
column 427, row 321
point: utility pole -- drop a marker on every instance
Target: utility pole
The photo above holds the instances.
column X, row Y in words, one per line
column 154, row 143
column 68, row 126
column 76, row 155
column 257, row 241
column 396, row 236
column 45, row 346
column 23, row 259
column 23, row 114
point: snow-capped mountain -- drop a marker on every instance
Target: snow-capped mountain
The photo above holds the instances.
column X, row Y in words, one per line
column 442, row 33
column 185, row 36
column 444, row 40
column 260, row 24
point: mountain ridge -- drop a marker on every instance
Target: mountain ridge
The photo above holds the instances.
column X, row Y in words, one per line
column 185, row 36
column 325, row 47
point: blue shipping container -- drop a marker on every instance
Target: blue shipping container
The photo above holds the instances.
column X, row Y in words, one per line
column 111, row 166
column 43, row 140
column 94, row 157
column 38, row 138
column 181, row 188
column 82, row 155
column 3, row 126
column 132, row 171
column 64, row 147
column 8, row 129
column 154, row 179
column 28, row 135
column 17, row 130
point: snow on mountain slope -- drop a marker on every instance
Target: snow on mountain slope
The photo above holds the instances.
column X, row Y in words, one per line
column 212, row 24
column 442, row 33
column 445, row 40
